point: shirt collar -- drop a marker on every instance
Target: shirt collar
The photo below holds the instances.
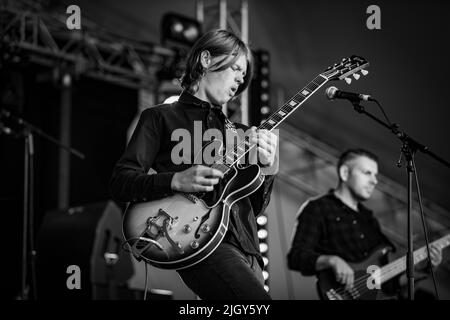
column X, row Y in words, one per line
column 188, row 98
column 361, row 207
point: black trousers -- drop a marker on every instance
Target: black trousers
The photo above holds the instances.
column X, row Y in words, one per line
column 226, row 274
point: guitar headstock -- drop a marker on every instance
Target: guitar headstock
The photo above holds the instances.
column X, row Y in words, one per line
column 354, row 65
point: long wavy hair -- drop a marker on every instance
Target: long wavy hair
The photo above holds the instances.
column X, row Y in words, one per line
column 218, row 43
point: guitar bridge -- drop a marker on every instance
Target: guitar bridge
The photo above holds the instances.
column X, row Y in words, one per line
column 158, row 227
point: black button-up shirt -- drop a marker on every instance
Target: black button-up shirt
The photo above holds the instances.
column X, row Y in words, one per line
column 151, row 146
column 327, row 226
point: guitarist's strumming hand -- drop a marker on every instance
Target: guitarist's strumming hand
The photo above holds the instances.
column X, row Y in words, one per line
column 198, row 178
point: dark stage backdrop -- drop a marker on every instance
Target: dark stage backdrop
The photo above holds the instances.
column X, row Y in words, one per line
column 101, row 114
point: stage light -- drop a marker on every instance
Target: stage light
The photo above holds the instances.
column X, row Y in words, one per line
column 265, row 71
column 260, row 88
column 264, row 83
column 261, row 220
column 263, row 247
column 179, row 30
column 265, row 110
column 262, row 233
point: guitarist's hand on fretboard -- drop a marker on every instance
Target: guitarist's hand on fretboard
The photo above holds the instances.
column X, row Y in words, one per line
column 436, row 259
column 266, row 143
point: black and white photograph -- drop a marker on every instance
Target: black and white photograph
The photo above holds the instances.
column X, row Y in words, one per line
column 215, row 153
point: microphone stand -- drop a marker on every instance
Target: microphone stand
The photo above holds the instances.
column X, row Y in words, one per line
column 408, row 150
column 26, row 131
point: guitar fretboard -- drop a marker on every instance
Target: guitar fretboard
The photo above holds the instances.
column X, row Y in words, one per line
column 242, row 148
column 398, row 266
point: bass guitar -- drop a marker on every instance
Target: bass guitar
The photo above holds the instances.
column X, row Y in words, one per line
column 368, row 275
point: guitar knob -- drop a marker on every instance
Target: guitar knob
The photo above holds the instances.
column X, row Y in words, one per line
column 364, row 72
column 348, row 80
column 206, row 228
column 356, row 76
column 187, row 228
column 194, row 244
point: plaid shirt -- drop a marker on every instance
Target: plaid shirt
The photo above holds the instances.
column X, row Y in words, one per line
column 326, row 226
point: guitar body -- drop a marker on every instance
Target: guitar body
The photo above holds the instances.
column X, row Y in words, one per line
column 329, row 289
column 179, row 231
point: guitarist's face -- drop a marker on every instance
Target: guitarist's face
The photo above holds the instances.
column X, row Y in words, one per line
column 361, row 177
column 218, row 87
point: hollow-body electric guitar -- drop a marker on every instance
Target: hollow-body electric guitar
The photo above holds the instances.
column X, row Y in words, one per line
column 181, row 230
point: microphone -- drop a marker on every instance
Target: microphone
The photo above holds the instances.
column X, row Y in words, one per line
column 334, row 93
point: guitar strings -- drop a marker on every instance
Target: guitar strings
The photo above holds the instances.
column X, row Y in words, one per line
column 388, row 270
column 360, row 284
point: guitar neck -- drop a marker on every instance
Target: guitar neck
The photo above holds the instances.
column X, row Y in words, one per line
column 240, row 150
column 398, row 266
column 292, row 104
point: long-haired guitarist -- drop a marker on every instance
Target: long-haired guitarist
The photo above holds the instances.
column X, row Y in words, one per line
column 219, row 68
column 336, row 229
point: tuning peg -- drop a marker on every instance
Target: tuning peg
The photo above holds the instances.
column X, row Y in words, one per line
column 364, row 72
column 356, row 76
column 348, row 80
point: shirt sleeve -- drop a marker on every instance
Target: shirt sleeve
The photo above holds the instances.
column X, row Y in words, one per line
column 260, row 198
column 305, row 242
column 130, row 181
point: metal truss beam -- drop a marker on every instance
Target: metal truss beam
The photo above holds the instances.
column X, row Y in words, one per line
column 44, row 39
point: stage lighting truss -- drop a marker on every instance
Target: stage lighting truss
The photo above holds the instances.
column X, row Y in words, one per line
column 42, row 38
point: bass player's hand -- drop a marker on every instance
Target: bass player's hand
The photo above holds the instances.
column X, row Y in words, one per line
column 343, row 272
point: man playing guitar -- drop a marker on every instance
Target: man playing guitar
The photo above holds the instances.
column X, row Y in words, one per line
column 336, row 229
column 219, row 68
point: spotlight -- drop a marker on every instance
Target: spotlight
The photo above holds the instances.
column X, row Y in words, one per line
column 263, row 247
column 261, row 220
column 179, row 30
column 265, row 110
column 262, row 233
